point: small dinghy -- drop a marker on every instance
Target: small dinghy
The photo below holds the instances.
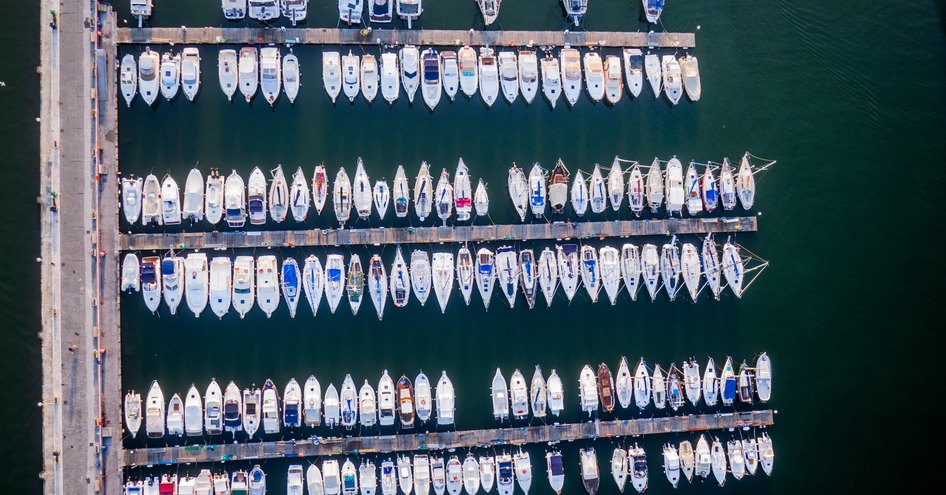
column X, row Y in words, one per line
column 390, row 74
column 291, row 402
column 128, row 78
column 410, row 66
column 382, row 196
column 172, row 276
column 671, row 464
column 351, row 76
column 675, row 388
column 443, row 278
column 547, row 271
column 489, row 76
column 527, row 275
column 763, row 377
column 334, row 280
column 313, row 282
column 569, row 268
column 659, row 388
column 507, row 271
column 278, row 196
column 289, row 278
column 691, row 269
column 589, row 470
column 256, row 197
column 469, row 72
column 401, row 193
column 691, row 184
column 131, row 278
column 423, row 192
column 465, row 273
column 597, row 195
column 528, row 75
column 691, row 76
column 518, row 395
column 355, row 284
column 624, row 384
column 703, row 462
column 619, row 468
column 642, row 386
column 369, row 77
column 551, row 79
column 610, row 272
column 631, row 269
column 518, row 190
column 400, row 280
column 341, row 197
column 733, row 268
column 670, row 269
column 579, row 195
column 691, row 380
column 214, row 197
column 635, row 191
column 509, row 75
column 367, row 412
column 420, row 275
column 148, row 79
column 594, row 76
column 571, row 74
column 485, row 274
column 331, row 74
column 588, row 390
column 481, row 199
column 673, row 79
column 500, row 396
column 537, row 190
column 361, row 191
column 267, row 284
column 446, row 400
column 745, row 184
column 634, row 70
column 590, row 272
column 710, row 383
column 556, row 391
column 471, row 474
column 444, row 195
column 450, row 73
column 652, row 69
column 462, row 192
column 727, row 187
column 605, row 387
column 131, row 198
column 299, row 196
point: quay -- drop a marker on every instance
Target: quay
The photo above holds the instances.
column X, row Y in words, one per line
column 384, row 444
column 425, row 37
column 435, row 235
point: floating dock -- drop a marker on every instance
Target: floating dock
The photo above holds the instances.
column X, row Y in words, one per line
column 425, row 37
column 435, row 235
column 446, row 440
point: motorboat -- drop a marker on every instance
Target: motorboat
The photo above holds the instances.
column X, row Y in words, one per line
column 487, row 472
column 481, row 199
column 270, row 408
column 750, row 446
column 421, row 474
column 504, row 474
column 450, row 73
column 367, row 478
column 234, row 200
column 232, row 409
column 444, row 197
column 264, row 10
column 214, row 197
column 727, row 186
column 634, row 70
column 361, row 191
column 388, row 476
column 518, row 190
column 170, row 75
column 267, row 284
column 443, row 278
column 619, row 468
column 766, row 454
column 737, row 458
column 547, row 271
column 390, row 73
column 382, row 196
column 332, row 74
column 594, row 76
column 348, row 403
column 613, row 82
column 133, row 412
column 299, row 198
column 558, row 187
column 675, row 388
column 709, row 190
column 528, row 74
column 671, row 464
column 605, row 387
column 471, row 474
column 674, row 187
column 489, row 76
column 518, row 395
column 465, row 273
column 670, row 269
column 440, row 478
column 624, row 384
column 569, row 268
column 187, row 484
column 691, row 269
column 319, row 188
column 538, row 394
column 556, row 394
column 745, row 183
column 400, row 280
column 590, row 272
column 690, row 67
column 727, row 383
column 351, row 75
column 377, row 284
column 154, row 411
column 312, row 402
column 446, row 400
column 386, row 400
column 485, row 274
column 279, row 200
column 423, row 192
column 650, row 269
column 292, row 405
column 462, row 192
column 248, row 67
column 653, row 9
column 148, row 80
column 405, row 402
column 369, row 77
column 381, row 11
column 243, row 294
column 239, row 482
column 538, row 194
column 401, row 193
column 588, row 390
column 551, row 79
column 170, row 201
column 270, row 73
column 642, row 386
column 575, row 11
column 196, row 282
column 355, row 283
column 556, row 470
column 509, row 75
column 733, row 268
column 420, row 275
column 718, row 461
column 289, row 283
column 190, row 72
column 294, row 483
column 744, row 381
column 490, row 10
column 597, row 193
column 691, row 381
column 652, row 69
column 691, row 184
column 673, row 79
column 688, row 460
column 659, row 388
column 256, row 197
column 710, row 383
column 291, row 74
column 405, row 476
column 331, row 477
column 131, row 277
column 610, row 268
column 637, row 463
column 507, row 271
column 655, row 186
column 571, row 74
column 409, row 58
column 175, row 418
column 631, row 269
column 128, row 78
column 500, row 395
column 295, row 11
column 579, row 194
column 313, row 478
column 431, row 85
column 527, row 275
column 349, row 11
column 523, row 468
column 341, row 197
column 331, row 407
column 172, row 277
column 589, row 469
column 334, row 280
column 410, row 11
column 469, row 72
column 423, row 397
column 131, row 198
column 763, row 377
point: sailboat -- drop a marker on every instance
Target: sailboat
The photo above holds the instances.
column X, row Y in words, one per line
column 341, row 197
column 642, row 385
column 548, row 275
column 594, row 76
column 369, row 77
column 624, row 384
column 481, row 199
column 420, row 275
column 610, row 268
column 652, row 68
column 691, row 269
column 727, row 383
column 351, row 75
column 588, row 390
column 568, row 268
column 443, row 278
column 733, row 268
column 400, row 280
column 579, row 194
column 675, row 388
column 659, row 388
column 650, row 268
column 718, row 460
column 527, row 275
column 490, row 10
column 446, row 400
column 289, row 282
column 355, row 285
column 431, row 85
column 409, row 58
column 423, row 191
column 727, row 186
column 670, row 269
column 361, row 191
column 248, row 67
column 710, row 383
column 538, row 394
column 551, row 79
column 332, row 74
column 485, row 274
column 278, row 196
column 465, row 273
column 694, row 201
column 377, row 284
column 507, row 272
column 196, row 282
column 299, row 196
column 148, row 63
column 518, row 190
column 655, row 186
column 234, row 200
column 444, row 197
column 590, row 272
column 334, row 280
column 382, row 196
column 270, row 73
column 673, row 79
column 571, row 74
column 631, row 269
column 708, row 190
column 256, row 197
column 314, row 483
column 745, row 183
column 509, row 75
column 597, row 196
column 462, row 192
column 489, row 76
column 619, row 468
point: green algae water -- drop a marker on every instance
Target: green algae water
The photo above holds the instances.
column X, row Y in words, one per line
column 850, row 100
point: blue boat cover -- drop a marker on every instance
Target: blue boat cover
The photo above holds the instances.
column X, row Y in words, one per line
column 557, row 468
column 729, row 389
column 147, row 273
column 167, row 267
column 292, row 414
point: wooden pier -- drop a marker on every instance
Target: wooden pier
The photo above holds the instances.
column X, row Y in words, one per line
column 384, row 444
column 426, row 37
column 436, row 235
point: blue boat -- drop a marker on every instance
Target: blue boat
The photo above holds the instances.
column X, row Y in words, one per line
column 653, row 9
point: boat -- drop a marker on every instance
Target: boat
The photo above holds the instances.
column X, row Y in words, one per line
column 500, row 396
column 642, row 386
column 349, row 11
column 341, row 197
column 690, row 67
column 232, row 409
column 694, row 201
column 444, row 197
column 727, row 383
column 528, row 75
column 671, row 464
column 674, row 187
column 733, row 268
column 652, row 69
column 613, row 85
column 332, row 74
column 312, row 402
column 605, row 387
column 131, row 279
column 527, row 275
column 551, row 79
column 590, row 272
column 355, row 283
column 438, row 475
column 131, row 198
column 490, row 10
column 405, row 477
column 631, row 269
column 234, row 200
column 718, row 461
column 409, row 58
column 291, row 405
column 423, row 397
column 538, row 194
column 655, row 186
column 653, row 9
column 170, row 75
column 518, row 395
column 575, row 11
column 248, row 68
column 172, row 281
column 213, row 197
column 348, row 403
column 128, row 78
column 369, row 77
column 650, row 269
column 334, row 280
column 239, row 483
column 489, row 76
column 170, row 202
column 750, row 447
column 504, row 474
column 381, row 11
column 361, row 191
column 386, row 400
column 264, row 10
column 555, row 469
column 538, row 394
column 727, row 187
column 610, row 268
column 471, row 474
column 244, row 284
column 465, row 273
column 507, row 271
column 659, row 388
column 518, row 190
column 558, row 187
column 589, row 469
column 431, row 85
column 443, row 278
column 688, row 460
column 367, row 478
column 675, row 388
column 133, row 412
column 462, row 192
column 331, row 481
column 190, row 72
column 744, row 382
column 588, row 390
column 766, row 454
column 267, row 284
column 331, row 407
column 579, row 194
column 382, row 196
column 446, row 400
column 299, row 196
column 637, row 463
column 221, row 271
column 401, row 192
column 351, row 75
column 450, row 73
column 278, row 196
column 469, row 72
column 624, row 384
column 270, row 408
column 377, row 284
column 388, row 478
column 291, row 74
column 673, row 79
column 737, row 458
column 256, row 197
column 294, row 483
column 314, row 483
column 405, row 401
column 410, row 11
column 295, row 11
column 594, row 76
column 270, row 73
column 175, row 418
column 745, row 183
column 421, row 474
column 196, row 282
column 508, row 75
column 481, row 199
column 597, row 195
column 523, row 468
column 390, row 73
column 487, row 472
column 485, row 274
column 420, row 275
column 423, row 191
column 763, row 377
column 547, row 271
column 257, row 480
column 691, row 269
column 691, row 380
column 710, row 383
column 289, row 282
column 148, row 63
column 571, row 73
column 634, row 70
column 569, row 268
column 400, row 280
column 221, row 484
column 154, row 411
column 619, row 468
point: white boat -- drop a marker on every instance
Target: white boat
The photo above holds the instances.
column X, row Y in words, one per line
column 481, row 199
column 750, row 446
column 518, row 190
column 659, row 388
column 469, row 72
column 594, row 76
column 589, row 470
column 431, row 85
column 349, row 11
column 635, row 190
column 423, row 192
column 446, row 400
column 634, row 70
column 616, row 185
column 551, row 79
column 610, row 267
column 244, row 285
column 128, row 78
column 613, row 82
column 348, row 402
column 355, row 285
column 737, row 458
column 351, row 75
column 382, row 196
column 331, row 481
column 267, row 284
column 133, row 412
column 490, row 10
column 733, row 268
column 294, row 482
column 249, row 72
column 196, row 282
column 489, row 76
column 292, row 405
column 400, row 280
column 727, row 383
column 710, row 383
column 504, row 474
column 369, row 77
column 655, row 186
column 234, row 200
column 270, row 73
column 652, row 69
column 624, row 384
column 190, row 72
column 289, row 278
column 148, row 79
column 718, row 460
column 619, row 468
column 410, row 11
column 528, row 74
column 523, row 468
column 388, row 473
column 691, row 269
column 547, row 271
column 405, row 477
column 401, row 193
column 690, row 67
column 702, row 460
column 443, row 278
column 264, row 10
column 588, row 390
column 509, row 75
column 631, row 269
column 341, row 197
column 279, row 200
column 691, row 381
column 673, row 79
column 450, row 73
column 597, row 193
column 579, row 194
column 421, row 474
column 487, row 472
column 538, row 194
column 485, row 274
column 175, row 418
column 727, row 186
column 642, row 386
column 538, row 394
column 170, row 75
column 556, row 393
column 154, row 411
column 527, row 275
column 590, row 272
column 270, row 408
column 763, row 377
column 766, row 453
column 676, row 195
column 745, row 183
column 409, row 58
column 172, row 277
column 500, row 395
column 256, row 197
column 330, row 407
column 650, row 269
column 465, row 273
column 390, row 73
column 518, row 395
column 637, row 464
column 381, row 11
column 423, row 397
column 291, row 75
column 671, row 464
column 386, row 404
column 170, row 202
column 299, row 196
column 361, row 191
column 653, row 9
column 571, row 74
column 131, row 277
column 131, row 198
column 462, row 192
column 367, row 478
column 420, row 275
column 314, row 483
column 377, row 284
column 556, row 470
column 569, row 268
column 670, row 269
column 507, row 271
column 312, row 402
column 213, row 196
column 444, row 197
column 471, row 474
column 687, row 459
column 319, row 188
column 332, row 74
column 709, row 190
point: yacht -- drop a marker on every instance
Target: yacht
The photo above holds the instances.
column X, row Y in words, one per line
column 377, row 284
column 745, row 183
column 763, row 377
column 446, row 400
column 270, row 408
column 642, row 386
column 131, row 198
column 744, row 382
column 196, row 283
column 341, row 197
column 659, row 388
column 443, row 278
column 361, row 191
column 401, row 193
column 256, row 197
column 671, row 464
column 588, row 390
column 637, row 463
column 556, row 470
column 500, row 395
column 594, row 76
column 727, row 186
column 673, row 80
column 390, row 74
column 312, row 402
column 295, row 11
column 331, row 480
column 487, row 472
column 314, row 484
column 267, row 284
column 485, row 274
column 571, row 74
column 605, row 387
column 691, row 76
column 634, row 70
column 733, row 268
column 405, row 477
column 381, row 11
column 614, row 87
column 313, row 282
column 538, row 194
column 519, row 395
column 170, row 202
column 405, row 402
column 527, row 275
column 421, row 474
column 420, row 275
column 589, row 470
column 279, row 200
column 270, row 73
column 551, row 79
column 264, row 10
column 688, row 460
column 154, row 411
column 490, row 10
column 291, row 74
column 369, row 77
column 547, row 271
column 409, row 58
column 331, row 407
column 190, row 72
column 518, row 190
column 170, row 75
column 469, row 72
column 244, row 285
column 489, row 76
column 631, row 269
column 453, row 479
column 388, row 476
column 718, row 461
column 737, row 458
column 248, row 72
column 597, row 195
column 213, row 407
column 400, row 280
column 444, row 197
column 655, row 186
column 675, row 388
column 410, row 11
column 348, row 402
column 349, row 11
column 624, row 384
column 133, row 412
column 173, row 281
column 619, row 468
column 569, row 268
column 590, row 272
column 367, row 478
column 523, row 468
column 351, row 75
column 674, row 187
column 294, row 480
column 450, row 73
column 431, row 83
column 481, row 199
column 653, row 9
column 423, row 397
column 289, row 282
column 670, row 269
column 650, row 269
column 610, row 272
column 148, row 80
column 193, row 413
column 131, row 278
column 128, row 78
column 710, row 383
column 332, row 74
column 386, row 402
column 507, row 271
column 465, row 273
column 528, row 74
column 652, row 69
column 234, row 200
column 355, row 284
column 299, row 196
column 214, row 197
column 504, row 474
column 175, row 419
column 691, row 269
column 462, row 192
column 709, row 190
column 766, row 454
column 423, row 192
column 579, row 194
column 509, row 75
column 727, row 383
column 691, row 380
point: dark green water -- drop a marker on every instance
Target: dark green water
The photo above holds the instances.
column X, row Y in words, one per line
column 849, row 98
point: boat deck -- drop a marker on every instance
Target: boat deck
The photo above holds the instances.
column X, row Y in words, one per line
column 446, row 440
column 435, row 235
